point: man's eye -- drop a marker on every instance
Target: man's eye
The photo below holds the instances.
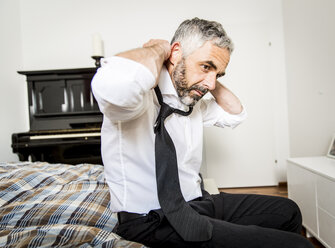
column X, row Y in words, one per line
column 220, row 75
column 206, row 67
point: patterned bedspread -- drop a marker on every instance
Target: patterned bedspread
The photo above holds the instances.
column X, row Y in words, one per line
column 56, row 205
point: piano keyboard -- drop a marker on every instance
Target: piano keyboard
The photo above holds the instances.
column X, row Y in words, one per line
column 64, row 136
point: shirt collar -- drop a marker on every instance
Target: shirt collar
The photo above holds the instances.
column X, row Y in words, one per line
column 165, row 83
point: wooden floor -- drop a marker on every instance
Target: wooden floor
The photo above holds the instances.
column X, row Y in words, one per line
column 275, row 191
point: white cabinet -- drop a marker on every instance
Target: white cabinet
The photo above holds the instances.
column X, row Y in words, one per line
column 311, row 184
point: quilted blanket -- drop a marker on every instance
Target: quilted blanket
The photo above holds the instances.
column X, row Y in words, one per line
column 56, row 205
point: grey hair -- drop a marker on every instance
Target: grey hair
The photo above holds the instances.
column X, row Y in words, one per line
column 192, row 34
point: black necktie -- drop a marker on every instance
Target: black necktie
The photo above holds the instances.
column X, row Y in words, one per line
column 190, row 225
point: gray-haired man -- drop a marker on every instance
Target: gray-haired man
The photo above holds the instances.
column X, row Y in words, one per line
column 185, row 71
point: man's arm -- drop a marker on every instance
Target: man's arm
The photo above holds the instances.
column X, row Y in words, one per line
column 226, row 99
column 121, row 85
column 152, row 55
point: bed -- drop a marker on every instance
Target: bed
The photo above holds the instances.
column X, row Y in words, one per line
column 56, row 205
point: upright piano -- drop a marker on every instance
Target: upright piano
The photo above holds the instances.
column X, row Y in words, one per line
column 64, row 117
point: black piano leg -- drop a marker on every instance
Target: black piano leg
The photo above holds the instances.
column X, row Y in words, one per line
column 38, row 156
column 23, row 156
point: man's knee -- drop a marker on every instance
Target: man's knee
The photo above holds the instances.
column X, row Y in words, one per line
column 294, row 222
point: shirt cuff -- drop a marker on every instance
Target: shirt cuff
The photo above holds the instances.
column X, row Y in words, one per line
column 231, row 120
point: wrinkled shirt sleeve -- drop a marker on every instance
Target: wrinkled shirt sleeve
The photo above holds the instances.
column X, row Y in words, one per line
column 121, row 87
column 214, row 115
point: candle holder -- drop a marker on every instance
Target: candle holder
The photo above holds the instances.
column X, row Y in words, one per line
column 97, row 60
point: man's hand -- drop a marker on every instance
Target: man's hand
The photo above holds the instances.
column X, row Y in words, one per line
column 153, row 54
column 161, row 46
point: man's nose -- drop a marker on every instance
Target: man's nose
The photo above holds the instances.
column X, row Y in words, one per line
column 210, row 81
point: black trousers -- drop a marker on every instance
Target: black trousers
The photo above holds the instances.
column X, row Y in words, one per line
column 239, row 221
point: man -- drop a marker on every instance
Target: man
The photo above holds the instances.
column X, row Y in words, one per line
column 126, row 90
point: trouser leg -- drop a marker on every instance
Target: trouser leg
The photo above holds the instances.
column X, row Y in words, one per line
column 238, row 221
column 230, row 235
column 265, row 211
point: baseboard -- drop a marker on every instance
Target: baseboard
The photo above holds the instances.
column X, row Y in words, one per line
column 282, row 184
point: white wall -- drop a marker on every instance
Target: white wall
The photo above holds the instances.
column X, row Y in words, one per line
column 13, row 100
column 310, row 52
column 57, row 34
column 246, row 156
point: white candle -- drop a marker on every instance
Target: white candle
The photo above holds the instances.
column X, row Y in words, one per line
column 97, row 45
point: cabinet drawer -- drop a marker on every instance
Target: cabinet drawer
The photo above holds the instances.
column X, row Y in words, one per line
column 301, row 189
column 326, row 228
column 325, row 190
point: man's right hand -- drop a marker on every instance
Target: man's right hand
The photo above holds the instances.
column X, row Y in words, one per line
column 160, row 46
column 153, row 54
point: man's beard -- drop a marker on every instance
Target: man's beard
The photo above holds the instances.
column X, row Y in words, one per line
column 184, row 93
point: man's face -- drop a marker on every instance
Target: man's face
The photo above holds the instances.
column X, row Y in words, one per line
column 196, row 74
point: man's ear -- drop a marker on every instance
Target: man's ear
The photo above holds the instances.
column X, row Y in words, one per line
column 176, row 53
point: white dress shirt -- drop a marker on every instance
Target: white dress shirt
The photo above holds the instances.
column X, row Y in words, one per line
column 123, row 90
